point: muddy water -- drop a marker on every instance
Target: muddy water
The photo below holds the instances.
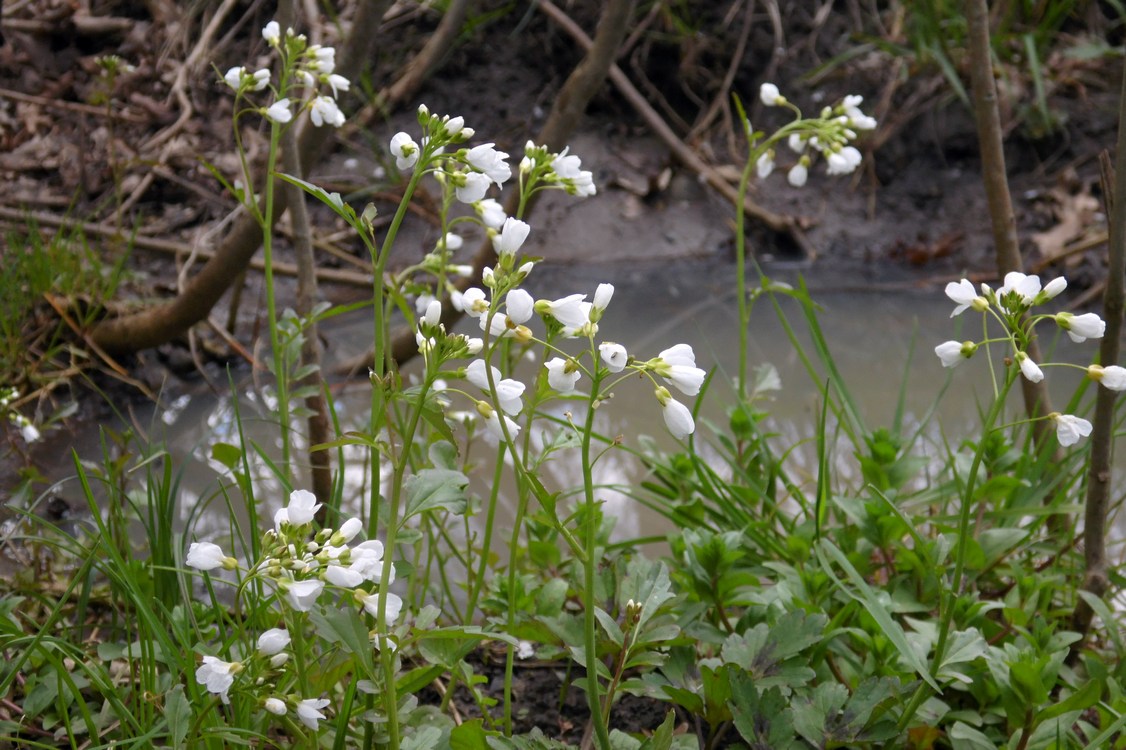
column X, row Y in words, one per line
column 877, row 340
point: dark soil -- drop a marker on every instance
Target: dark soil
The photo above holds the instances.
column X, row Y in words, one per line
column 915, row 213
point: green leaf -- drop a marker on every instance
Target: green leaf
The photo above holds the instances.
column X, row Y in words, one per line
column 332, row 200
column 765, row 722
column 227, row 454
column 662, row 738
column 766, row 652
column 813, row 714
column 423, row 738
column 876, row 609
column 430, row 489
column 964, row 737
column 1080, row 700
column 178, row 713
column 345, row 626
column 469, row 735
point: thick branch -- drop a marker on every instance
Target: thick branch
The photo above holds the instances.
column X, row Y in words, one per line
column 1005, row 245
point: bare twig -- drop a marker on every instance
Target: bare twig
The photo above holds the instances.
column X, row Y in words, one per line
column 721, row 97
column 689, row 158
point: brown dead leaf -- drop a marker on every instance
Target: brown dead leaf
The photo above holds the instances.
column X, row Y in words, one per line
column 1075, row 215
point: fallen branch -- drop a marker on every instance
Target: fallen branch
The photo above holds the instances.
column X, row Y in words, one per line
column 335, row 275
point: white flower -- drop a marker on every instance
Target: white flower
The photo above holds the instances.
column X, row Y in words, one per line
column 844, row 161
column 302, row 595
column 217, row 676
column 474, row 344
column 309, row 711
column 273, row 641
column 558, row 377
column 1081, row 327
column 511, row 237
column 433, row 313
column 678, row 418
column 345, row 578
column 338, row 83
column 571, row 311
column 614, row 356
column 276, row 706
column 566, row 167
column 602, row 296
column 452, row 241
column 261, row 79
column 965, row 296
column 324, row 110
column 677, row 365
column 271, row 32
column 857, row 119
column 279, row 111
column 404, row 149
column 525, row 650
column 485, row 158
column 1025, row 287
column 765, row 164
column 207, row 556
column 492, row 421
column 1069, row 428
column 303, row 506
column 474, row 302
column 453, row 126
column 367, row 560
column 509, row 391
column 770, row 95
column 474, row 188
column 323, row 58
column 1112, row 377
column 491, row 213
column 950, row 352
column 348, row 530
column 394, row 606
column 29, row 432
column 1054, row 287
column 798, row 174
column 233, row 77
column 518, row 305
column 1029, row 368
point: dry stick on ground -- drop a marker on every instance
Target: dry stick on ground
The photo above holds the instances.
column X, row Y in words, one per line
column 317, row 421
column 1036, row 401
column 1099, row 473
column 584, row 81
column 158, row 324
column 776, row 222
column 723, row 95
column 19, row 218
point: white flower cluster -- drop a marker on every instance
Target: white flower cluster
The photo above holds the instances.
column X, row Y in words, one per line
column 1009, row 304
column 829, row 136
column 303, row 65
column 300, row 568
column 28, row 431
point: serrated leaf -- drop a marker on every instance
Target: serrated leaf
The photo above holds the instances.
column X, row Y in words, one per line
column 764, row 722
column 662, row 737
column 812, row 715
column 431, row 489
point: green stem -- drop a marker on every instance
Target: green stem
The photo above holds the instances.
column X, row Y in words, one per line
column 590, row 622
column 951, row 595
column 280, row 374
